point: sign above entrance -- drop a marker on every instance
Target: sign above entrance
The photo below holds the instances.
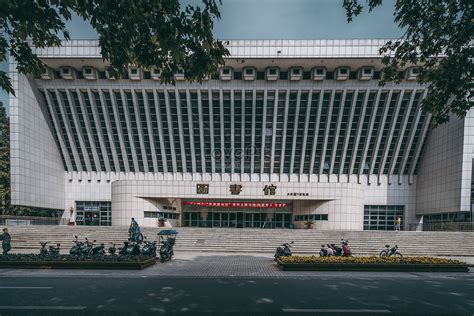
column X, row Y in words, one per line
column 239, row 204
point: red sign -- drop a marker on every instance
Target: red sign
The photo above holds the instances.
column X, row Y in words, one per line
column 239, row 204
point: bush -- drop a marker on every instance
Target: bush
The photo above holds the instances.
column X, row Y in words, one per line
column 367, row 260
column 69, row 258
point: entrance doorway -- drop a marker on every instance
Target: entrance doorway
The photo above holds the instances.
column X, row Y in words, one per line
column 93, row 213
column 237, row 220
column 237, row 213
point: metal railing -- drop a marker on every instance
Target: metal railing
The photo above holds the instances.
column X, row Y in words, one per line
column 443, row 226
column 12, row 220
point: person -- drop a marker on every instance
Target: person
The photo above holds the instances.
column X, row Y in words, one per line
column 346, row 252
column 6, row 240
column 398, row 223
column 329, row 251
column 323, row 252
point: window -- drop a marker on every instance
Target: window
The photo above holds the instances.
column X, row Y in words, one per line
column 382, row 217
column 414, row 71
column 65, row 71
column 296, row 71
column 343, row 71
column 249, row 71
column 156, row 72
column 320, row 71
column 367, row 71
column 225, row 71
column 87, row 71
column 311, row 217
column 134, row 71
column 272, row 71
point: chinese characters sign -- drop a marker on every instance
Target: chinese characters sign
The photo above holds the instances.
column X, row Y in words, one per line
column 269, row 189
column 238, row 204
column 202, row 188
column 235, row 189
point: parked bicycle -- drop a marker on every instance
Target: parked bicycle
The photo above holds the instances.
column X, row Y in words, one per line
column 52, row 251
column 391, row 252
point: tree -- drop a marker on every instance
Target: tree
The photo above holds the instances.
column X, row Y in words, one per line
column 4, row 160
column 438, row 37
column 147, row 33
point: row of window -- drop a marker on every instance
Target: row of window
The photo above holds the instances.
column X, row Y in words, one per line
column 166, row 215
column 228, row 73
column 447, row 217
column 321, row 132
column 311, row 217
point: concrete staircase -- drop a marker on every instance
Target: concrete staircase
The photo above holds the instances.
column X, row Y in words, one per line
column 26, row 239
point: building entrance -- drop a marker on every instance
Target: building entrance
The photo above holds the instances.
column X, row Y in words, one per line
column 237, row 214
column 93, row 213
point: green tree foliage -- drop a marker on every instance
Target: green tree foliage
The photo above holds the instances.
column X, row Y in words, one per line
column 4, row 160
column 147, row 33
column 438, row 37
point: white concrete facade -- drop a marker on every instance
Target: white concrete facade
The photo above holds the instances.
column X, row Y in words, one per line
column 141, row 145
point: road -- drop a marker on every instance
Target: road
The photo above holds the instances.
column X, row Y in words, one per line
column 341, row 293
column 195, row 284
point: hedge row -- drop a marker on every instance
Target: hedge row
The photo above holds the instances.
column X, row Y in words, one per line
column 367, row 260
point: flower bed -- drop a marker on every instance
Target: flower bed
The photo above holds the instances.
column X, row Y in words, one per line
column 75, row 262
column 373, row 263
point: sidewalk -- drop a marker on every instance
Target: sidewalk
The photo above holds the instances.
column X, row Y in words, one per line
column 218, row 265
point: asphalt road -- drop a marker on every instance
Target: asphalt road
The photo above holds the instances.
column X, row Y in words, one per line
column 340, row 293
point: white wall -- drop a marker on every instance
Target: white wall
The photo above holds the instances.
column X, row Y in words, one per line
column 343, row 202
column 37, row 172
column 444, row 176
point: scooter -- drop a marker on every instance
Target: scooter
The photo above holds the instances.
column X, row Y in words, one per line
column 112, row 249
column 86, row 248
column 149, row 249
column 336, row 249
column 130, row 248
column 76, row 249
column 284, row 250
column 98, row 250
column 166, row 251
column 326, row 252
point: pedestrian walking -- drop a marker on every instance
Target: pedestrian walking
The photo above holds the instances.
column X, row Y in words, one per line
column 6, row 240
column 398, row 223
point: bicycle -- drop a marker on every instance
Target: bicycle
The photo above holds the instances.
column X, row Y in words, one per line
column 391, row 252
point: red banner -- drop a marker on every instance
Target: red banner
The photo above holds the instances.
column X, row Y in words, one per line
column 239, row 204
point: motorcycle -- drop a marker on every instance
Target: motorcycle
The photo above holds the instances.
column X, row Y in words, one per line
column 283, row 250
column 149, row 249
column 76, row 249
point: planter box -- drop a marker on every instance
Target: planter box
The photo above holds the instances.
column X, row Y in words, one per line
column 382, row 267
column 124, row 265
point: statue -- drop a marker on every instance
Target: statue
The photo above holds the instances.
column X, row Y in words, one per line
column 134, row 231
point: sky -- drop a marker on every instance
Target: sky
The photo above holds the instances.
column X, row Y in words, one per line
column 279, row 19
